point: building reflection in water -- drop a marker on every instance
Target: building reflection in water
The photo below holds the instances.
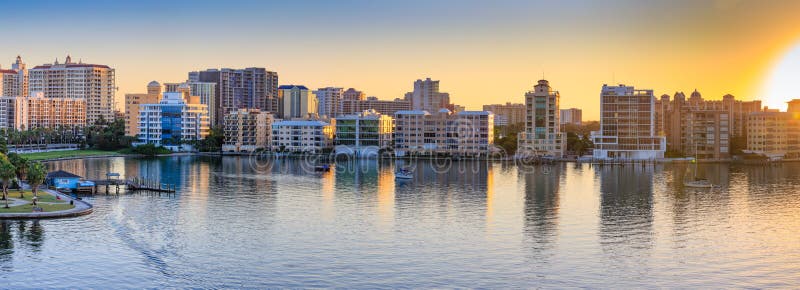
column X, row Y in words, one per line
column 626, row 210
column 542, row 184
column 29, row 235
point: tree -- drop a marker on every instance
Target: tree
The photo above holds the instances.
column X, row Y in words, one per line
column 36, row 176
column 20, row 163
column 7, row 173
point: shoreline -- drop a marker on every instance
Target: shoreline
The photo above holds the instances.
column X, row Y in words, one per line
column 81, row 208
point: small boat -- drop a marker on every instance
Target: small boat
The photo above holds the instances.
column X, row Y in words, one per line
column 322, row 168
column 404, row 174
column 700, row 183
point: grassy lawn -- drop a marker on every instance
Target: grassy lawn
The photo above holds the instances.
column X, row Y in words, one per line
column 28, row 195
column 29, row 207
column 68, row 153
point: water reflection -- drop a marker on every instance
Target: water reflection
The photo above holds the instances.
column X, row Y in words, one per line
column 626, row 210
column 542, row 185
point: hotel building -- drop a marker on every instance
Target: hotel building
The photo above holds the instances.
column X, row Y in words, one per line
column 93, row 82
column 363, row 134
column 627, row 125
column 542, row 135
column 572, row 116
column 507, row 114
column 247, row 130
column 27, row 113
column 311, row 136
column 467, row 133
column 174, row 122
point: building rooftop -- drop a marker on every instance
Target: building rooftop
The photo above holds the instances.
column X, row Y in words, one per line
column 300, row 123
column 288, row 87
column 412, row 112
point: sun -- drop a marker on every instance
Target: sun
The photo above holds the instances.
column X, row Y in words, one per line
column 783, row 82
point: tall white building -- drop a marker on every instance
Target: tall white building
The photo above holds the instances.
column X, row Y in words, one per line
column 542, row 136
column 328, row 101
column 426, row 96
column 174, row 122
column 627, row 125
column 93, row 82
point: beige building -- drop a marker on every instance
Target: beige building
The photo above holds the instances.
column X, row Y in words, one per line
column 351, row 98
column 572, row 116
column 507, row 114
column 93, row 82
column 627, row 125
column 132, row 102
column 426, row 96
column 14, row 81
column 24, row 113
column 363, row 134
column 775, row 134
column 542, row 135
column 247, row 130
column 302, row 136
column 296, row 102
column 467, row 133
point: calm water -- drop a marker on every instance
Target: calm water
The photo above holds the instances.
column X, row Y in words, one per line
column 234, row 223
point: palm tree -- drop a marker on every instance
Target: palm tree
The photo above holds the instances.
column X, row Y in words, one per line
column 7, row 172
column 36, row 176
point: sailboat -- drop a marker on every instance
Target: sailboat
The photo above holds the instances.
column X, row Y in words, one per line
column 697, row 183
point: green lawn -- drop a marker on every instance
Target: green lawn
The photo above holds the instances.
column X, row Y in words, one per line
column 68, row 153
column 28, row 195
column 29, row 207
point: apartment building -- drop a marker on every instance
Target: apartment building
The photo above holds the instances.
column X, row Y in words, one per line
column 93, row 82
column 253, row 88
column 697, row 127
column 310, row 136
column 572, row 116
column 363, row 134
column 174, row 122
column 542, row 135
column 426, row 96
column 296, row 102
column 329, row 101
column 775, row 134
column 467, row 133
column 247, row 130
column 627, row 125
column 14, row 81
column 350, row 101
column 507, row 114
column 27, row 113
column 132, row 102
column 386, row 107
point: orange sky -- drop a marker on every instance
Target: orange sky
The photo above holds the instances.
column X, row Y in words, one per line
column 483, row 52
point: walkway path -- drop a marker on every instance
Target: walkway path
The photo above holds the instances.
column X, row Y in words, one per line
column 81, row 207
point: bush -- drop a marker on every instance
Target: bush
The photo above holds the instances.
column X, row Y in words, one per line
column 150, row 150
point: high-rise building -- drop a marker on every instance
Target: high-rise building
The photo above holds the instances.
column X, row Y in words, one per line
column 247, row 130
column 312, row 136
column 27, row 113
column 254, row 88
column 14, row 81
column 132, row 102
column 572, row 116
column 93, row 82
column 174, row 122
column 703, row 128
column 627, row 125
column 296, row 102
column 363, row 134
column 328, row 101
column 542, row 135
column 507, row 114
column 350, row 101
column 426, row 96
column 467, row 133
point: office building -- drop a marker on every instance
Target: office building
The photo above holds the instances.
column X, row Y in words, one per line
column 310, row 136
column 627, row 125
column 247, row 130
column 363, row 134
column 467, row 133
column 572, row 116
column 296, row 102
column 14, row 81
column 93, row 82
column 328, row 101
column 542, row 135
column 174, row 122
column 507, row 114
column 426, row 96
column 132, row 102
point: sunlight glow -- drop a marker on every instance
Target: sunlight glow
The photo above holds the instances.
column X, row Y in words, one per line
column 783, row 83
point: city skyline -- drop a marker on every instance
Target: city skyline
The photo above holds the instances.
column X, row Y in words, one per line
column 482, row 53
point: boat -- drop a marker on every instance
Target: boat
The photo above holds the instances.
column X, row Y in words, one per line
column 404, row 174
column 322, row 168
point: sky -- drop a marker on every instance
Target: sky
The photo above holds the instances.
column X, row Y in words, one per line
column 482, row 51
